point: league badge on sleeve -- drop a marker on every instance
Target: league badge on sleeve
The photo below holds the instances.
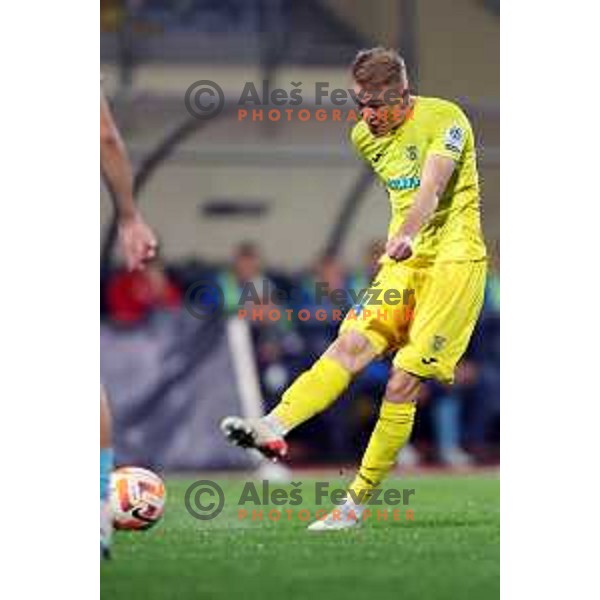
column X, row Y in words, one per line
column 455, row 139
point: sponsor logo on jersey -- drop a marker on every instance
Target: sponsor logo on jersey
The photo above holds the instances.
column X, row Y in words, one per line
column 403, row 183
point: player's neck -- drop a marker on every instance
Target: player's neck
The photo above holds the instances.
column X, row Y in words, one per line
column 405, row 114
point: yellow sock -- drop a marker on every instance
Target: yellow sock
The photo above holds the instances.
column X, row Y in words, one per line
column 391, row 432
column 311, row 393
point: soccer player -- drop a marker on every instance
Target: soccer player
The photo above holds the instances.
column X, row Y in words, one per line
column 138, row 245
column 423, row 151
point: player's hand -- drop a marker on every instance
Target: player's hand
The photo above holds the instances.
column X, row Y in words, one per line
column 399, row 247
column 138, row 242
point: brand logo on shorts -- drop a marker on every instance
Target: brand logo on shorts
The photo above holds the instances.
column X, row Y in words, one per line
column 429, row 361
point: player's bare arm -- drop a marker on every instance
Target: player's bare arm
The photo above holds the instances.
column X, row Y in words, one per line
column 437, row 171
column 137, row 241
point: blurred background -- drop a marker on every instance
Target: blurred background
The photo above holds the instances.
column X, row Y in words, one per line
column 287, row 202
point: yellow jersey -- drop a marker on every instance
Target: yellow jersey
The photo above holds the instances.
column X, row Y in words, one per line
column 434, row 127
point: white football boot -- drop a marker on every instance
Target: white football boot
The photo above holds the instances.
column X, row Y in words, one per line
column 346, row 516
column 254, row 433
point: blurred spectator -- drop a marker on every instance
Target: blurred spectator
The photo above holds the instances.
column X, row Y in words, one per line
column 319, row 288
column 246, row 285
column 245, row 278
column 363, row 277
column 132, row 297
column 447, row 408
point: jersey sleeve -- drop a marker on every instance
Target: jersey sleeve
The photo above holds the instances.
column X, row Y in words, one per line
column 451, row 133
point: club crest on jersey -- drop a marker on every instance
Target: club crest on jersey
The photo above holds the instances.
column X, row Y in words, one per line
column 411, row 152
column 455, row 139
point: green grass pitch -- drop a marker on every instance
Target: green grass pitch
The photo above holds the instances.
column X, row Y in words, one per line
column 450, row 550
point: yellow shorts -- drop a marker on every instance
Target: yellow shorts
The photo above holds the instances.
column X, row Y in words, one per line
column 427, row 314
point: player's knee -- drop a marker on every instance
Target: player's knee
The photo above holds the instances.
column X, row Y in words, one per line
column 402, row 387
column 352, row 350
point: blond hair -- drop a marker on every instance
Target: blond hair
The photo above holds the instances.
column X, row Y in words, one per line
column 379, row 66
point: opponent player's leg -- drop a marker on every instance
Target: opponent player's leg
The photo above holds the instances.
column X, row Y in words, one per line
column 392, row 431
column 311, row 393
column 106, row 466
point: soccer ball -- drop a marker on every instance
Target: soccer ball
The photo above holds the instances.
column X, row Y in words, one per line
column 137, row 498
